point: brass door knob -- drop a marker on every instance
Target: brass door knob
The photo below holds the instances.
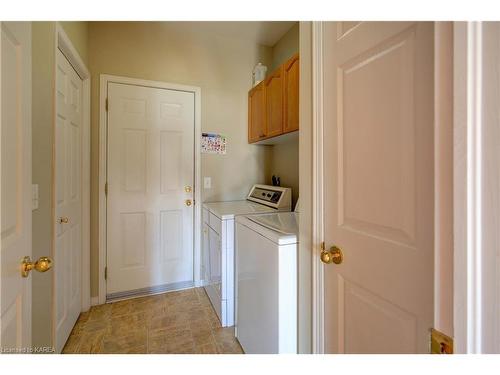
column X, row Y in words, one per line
column 188, row 189
column 334, row 255
column 63, row 220
column 41, row 265
column 188, row 202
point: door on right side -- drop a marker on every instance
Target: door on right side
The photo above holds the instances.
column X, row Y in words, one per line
column 378, row 164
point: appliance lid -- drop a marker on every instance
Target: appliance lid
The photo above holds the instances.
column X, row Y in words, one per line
column 284, row 222
column 229, row 209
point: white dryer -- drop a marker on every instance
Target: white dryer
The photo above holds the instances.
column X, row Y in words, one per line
column 218, row 242
column 266, row 273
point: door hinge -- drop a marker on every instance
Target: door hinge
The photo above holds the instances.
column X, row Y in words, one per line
column 440, row 343
column 106, row 189
column 105, row 273
column 107, row 105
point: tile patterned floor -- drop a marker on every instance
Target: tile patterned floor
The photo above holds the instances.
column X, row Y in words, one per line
column 181, row 322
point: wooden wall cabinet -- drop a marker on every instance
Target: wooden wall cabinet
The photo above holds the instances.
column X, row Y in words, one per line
column 273, row 105
column 273, row 93
column 291, row 95
column 256, row 113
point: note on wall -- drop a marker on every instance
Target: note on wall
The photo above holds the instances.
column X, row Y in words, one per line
column 213, row 143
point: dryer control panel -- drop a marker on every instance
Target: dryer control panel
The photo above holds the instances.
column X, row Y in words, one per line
column 272, row 196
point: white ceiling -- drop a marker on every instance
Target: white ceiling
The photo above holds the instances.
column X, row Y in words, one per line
column 261, row 32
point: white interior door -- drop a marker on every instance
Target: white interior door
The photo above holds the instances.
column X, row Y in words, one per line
column 15, row 304
column 150, row 164
column 68, row 193
column 378, row 186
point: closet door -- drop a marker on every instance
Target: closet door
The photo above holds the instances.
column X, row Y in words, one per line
column 15, row 167
column 68, row 192
column 378, row 186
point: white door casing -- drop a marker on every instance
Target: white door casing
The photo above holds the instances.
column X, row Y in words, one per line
column 377, row 157
column 68, row 199
column 15, row 314
column 476, row 187
column 150, row 163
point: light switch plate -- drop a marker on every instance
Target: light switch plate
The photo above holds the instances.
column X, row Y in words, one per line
column 34, row 196
column 207, row 182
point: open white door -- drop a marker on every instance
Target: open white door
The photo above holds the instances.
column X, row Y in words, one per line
column 150, row 189
column 378, row 186
column 15, row 315
column 68, row 192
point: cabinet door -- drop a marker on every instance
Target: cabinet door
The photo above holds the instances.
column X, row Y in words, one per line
column 205, row 250
column 274, row 103
column 215, row 259
column 291, row 97
column 256, row 109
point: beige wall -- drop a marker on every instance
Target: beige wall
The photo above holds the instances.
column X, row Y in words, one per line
column 286, row 47
column 284, row 161
column 182, row 53
column 43, row 82
column 78, row 33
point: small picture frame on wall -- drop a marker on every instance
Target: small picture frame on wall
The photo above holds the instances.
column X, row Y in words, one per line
column 212, row 143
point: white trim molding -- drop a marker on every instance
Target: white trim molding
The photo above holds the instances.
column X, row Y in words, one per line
column 443, row 177
column 317, row 189
column 476, row 187
column 63, row 43
column 103, row 93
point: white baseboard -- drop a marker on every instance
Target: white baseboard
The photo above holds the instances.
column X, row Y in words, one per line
column 94, row 301
column 199, row 283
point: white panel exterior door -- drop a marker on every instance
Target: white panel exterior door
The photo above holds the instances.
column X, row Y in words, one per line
column 378, row 186
column 15, row 293
column 150, row 163
column 68, row 199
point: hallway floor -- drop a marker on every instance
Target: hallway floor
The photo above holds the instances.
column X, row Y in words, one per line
column 181, row 322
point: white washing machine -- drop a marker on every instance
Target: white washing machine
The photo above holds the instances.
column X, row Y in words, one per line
column 266, row 273
column 218, row 242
